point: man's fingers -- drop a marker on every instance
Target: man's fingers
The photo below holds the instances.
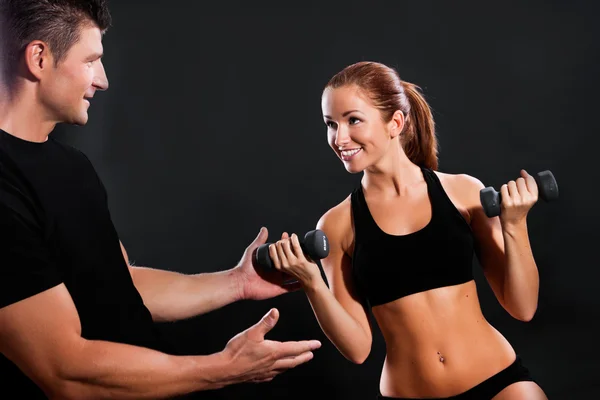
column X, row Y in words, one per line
column 265, row 378
column 283, row 364
column 292, row 362
column 293, row 349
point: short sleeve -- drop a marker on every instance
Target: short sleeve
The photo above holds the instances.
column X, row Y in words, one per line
column 26, row 261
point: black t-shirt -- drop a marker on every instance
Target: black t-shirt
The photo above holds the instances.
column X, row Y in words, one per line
column 55, row 227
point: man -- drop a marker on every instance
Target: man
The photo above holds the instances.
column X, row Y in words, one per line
column 76, row 320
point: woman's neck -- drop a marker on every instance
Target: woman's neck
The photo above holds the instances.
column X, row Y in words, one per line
column 392, row 176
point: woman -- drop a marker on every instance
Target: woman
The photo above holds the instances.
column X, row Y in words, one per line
column 402, row 245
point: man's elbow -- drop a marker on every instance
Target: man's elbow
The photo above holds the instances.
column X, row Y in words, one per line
column 64, row 389
column 65, row 381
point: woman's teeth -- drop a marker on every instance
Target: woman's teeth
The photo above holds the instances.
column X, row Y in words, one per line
column 349, row 153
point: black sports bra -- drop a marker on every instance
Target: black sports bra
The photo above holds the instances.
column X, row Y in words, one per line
column 387, row 267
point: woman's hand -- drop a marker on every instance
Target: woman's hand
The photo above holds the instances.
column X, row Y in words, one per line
column 517, row 199
column 288, row 257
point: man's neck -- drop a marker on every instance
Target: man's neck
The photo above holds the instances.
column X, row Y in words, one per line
column 22, row 116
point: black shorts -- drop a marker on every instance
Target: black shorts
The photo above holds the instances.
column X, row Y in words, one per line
column 486, row 390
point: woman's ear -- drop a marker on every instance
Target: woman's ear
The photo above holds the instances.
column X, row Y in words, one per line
column 397, row 124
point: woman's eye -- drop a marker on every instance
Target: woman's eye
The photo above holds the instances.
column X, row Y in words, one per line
column 353, row 121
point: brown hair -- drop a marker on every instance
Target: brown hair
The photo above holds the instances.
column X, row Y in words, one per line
column 56, row 22
column 389, row 93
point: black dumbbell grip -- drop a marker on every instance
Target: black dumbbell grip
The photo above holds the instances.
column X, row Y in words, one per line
column 491, row 200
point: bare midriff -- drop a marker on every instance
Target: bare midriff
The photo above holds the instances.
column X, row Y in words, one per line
column 438, row 343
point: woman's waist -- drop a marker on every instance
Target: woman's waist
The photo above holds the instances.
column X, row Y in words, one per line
column 445, row 363
column 451, row 329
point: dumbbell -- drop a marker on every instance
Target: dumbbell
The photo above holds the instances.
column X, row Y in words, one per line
column 315, row 245
column 547, row 190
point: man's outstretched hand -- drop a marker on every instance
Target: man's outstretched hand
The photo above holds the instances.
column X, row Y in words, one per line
column 253, row 359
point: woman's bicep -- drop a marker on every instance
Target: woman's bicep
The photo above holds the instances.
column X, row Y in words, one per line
column 344, row 290
column 489, row 242
column 337, row 267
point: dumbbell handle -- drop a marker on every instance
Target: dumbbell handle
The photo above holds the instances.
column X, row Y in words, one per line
column 491, row 199
column 319, row 248
column 316, row 240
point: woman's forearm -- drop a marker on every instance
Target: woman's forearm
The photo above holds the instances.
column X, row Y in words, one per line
column 346, row 334
column 521, row 278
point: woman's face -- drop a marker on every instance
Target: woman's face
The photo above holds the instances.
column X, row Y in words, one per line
column 355, row 129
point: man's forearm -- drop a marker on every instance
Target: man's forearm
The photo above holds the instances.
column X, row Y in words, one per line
column 107, row 370
column 172, row 296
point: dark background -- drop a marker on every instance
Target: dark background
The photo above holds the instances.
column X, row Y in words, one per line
column 212, row 128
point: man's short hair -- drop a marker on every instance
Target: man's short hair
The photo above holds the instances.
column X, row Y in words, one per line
column 58, row 23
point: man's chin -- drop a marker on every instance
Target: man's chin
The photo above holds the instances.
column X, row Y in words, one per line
column 79, row 120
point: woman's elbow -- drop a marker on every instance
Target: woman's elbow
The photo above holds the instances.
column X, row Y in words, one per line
column 524, row 315
column 360, row 354
column 359, row 359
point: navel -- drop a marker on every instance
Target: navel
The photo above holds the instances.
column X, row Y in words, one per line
column 441, row 357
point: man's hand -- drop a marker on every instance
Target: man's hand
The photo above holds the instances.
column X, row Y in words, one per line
column 254, row 282
column 254, row 359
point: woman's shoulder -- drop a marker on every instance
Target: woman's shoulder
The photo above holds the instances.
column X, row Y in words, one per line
column 460, row 181
column 336, row 222
column 463, row 189
column 337, row 214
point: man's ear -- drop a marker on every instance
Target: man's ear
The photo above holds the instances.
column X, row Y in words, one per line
column 38, row 58
column 397, row 123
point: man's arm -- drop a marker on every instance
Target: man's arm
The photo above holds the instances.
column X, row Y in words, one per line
column 172, row 296
column 42, row 336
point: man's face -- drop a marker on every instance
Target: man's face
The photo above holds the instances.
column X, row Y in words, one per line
column 66, row 88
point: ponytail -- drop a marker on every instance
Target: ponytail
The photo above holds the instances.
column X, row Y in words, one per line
column 419, row 139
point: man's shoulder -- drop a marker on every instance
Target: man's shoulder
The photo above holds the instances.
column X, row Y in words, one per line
column 70, row 151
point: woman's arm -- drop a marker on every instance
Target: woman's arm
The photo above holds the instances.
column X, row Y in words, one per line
column 503, row 246
column 338, row 310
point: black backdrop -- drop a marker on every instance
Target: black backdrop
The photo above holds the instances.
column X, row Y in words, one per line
column 212, row 128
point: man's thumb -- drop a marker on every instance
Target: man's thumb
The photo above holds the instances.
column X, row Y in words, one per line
column 261, row 238
column 268, row 322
